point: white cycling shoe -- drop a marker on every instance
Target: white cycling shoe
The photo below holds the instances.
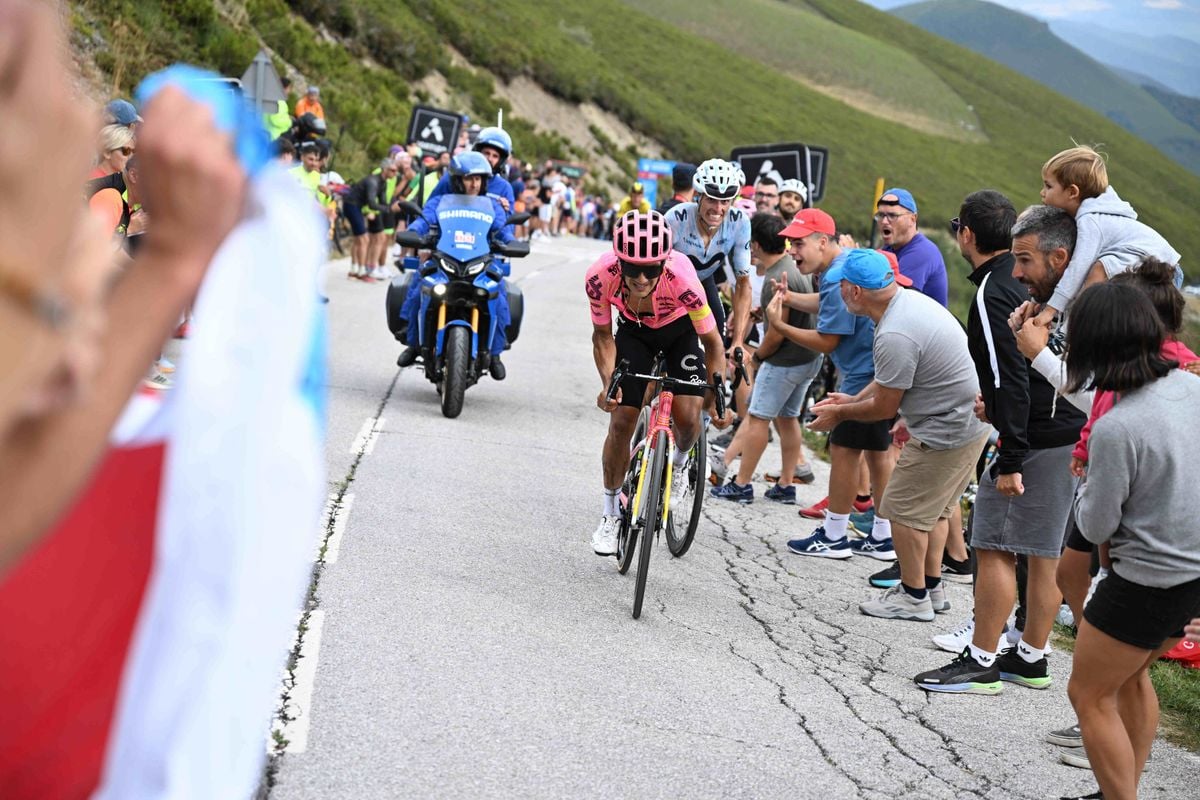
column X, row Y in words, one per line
column 604, row 538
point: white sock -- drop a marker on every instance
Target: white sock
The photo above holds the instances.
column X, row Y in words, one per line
column 982, row 657
column 882, row 530
column 835, row 525
column 679, row 458
column 1028, row 653
column 612, row 502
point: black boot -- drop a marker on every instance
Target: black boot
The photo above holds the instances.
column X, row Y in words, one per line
column 408, row 356
column 496, row 369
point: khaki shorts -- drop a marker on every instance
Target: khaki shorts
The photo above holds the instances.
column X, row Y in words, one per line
column 927, row 483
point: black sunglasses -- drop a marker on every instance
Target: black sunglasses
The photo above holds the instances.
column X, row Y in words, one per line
column 955, row 226
column 650, row 271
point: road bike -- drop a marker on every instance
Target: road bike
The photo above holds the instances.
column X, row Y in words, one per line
column 646, row 491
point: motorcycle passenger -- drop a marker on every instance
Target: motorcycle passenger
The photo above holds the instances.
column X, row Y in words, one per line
column 496, row 146
column 468, row 171
column 660, row 308
column 715, row 235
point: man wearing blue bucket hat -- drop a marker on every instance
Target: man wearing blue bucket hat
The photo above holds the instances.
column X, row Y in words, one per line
column 924, row 372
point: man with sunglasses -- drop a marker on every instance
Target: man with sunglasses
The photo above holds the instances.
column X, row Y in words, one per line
column 715, row 236
column 920, row 259
column 660, row 308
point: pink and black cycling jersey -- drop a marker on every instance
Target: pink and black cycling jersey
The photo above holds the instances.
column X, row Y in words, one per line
column 678, row 292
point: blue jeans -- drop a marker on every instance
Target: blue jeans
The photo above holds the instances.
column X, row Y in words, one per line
column 780, row 391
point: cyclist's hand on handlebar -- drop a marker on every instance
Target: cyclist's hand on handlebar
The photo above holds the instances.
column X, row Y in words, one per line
column 720, row 423
column 604, row 404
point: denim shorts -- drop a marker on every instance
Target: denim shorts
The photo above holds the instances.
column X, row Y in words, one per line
column 780, row 391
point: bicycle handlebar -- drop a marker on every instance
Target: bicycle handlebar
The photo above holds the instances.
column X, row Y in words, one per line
column 621, row 372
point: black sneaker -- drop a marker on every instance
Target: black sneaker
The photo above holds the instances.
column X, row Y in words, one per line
column 1096, row 795
column 963, row 675
column 496, row 369
column 886, row 578
column 956, row 571
column 1015, row 669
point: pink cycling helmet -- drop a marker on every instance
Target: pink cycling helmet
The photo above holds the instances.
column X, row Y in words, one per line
column 642, row 238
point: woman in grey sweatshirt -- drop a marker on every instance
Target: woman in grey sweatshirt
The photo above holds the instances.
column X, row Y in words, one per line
column 1138, row 497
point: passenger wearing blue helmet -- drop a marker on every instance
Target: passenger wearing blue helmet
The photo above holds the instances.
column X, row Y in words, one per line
column 468, row 172
column 496, row 146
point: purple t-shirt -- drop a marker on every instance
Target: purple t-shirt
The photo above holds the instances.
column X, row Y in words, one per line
column 921, row 261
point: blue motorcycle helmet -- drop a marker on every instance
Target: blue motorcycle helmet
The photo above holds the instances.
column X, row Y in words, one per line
column 496, row 139
column 468, row 163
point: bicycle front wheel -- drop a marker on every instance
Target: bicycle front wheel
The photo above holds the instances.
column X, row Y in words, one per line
column 628, row 533
column 651, row 513
column 678, row 541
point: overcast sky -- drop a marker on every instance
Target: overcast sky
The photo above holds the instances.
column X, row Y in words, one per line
column 1147, row 17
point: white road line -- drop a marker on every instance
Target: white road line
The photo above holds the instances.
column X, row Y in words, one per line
column 364, row 432
column 373, row 437
column 530, row 276
column 296, row 731
column 340, row 516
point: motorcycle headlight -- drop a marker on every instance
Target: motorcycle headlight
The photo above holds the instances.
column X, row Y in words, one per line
column 448, row 266
column 476, row 268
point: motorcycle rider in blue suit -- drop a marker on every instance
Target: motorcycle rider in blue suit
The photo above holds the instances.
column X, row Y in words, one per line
column 466, row 176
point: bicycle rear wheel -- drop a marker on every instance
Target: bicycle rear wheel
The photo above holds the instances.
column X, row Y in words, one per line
column 697, row 468
column 627, row 535
column 652, row 514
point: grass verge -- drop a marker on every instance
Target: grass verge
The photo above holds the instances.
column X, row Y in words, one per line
column 1178, row 689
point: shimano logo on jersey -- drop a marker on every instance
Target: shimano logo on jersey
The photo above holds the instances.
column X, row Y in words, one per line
column 465, row 213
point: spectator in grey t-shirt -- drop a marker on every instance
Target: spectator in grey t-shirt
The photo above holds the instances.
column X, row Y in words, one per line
column 924, row 372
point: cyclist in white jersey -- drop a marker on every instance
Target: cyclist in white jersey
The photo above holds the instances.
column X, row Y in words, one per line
column 716, row 237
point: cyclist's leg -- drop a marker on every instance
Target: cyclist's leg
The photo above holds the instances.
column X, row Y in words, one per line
column 633, row 348
column 684, row 359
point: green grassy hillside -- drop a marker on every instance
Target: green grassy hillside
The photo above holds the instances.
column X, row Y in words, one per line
column 694, row 96
column 1028, row 46
column 868, row 74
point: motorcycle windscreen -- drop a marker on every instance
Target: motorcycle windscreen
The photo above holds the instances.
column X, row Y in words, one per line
column 465, row 222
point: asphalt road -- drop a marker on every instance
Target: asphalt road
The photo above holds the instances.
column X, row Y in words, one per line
column 470, row 644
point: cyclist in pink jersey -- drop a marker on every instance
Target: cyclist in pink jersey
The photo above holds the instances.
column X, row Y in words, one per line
column 661, row 308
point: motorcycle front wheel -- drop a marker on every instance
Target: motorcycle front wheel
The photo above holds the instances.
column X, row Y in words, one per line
column 458, row 357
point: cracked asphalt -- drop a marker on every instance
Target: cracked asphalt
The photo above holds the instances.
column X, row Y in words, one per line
column 473, row 646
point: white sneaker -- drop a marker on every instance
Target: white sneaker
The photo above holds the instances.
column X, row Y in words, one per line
column 380, row 273
column 604, row 538
column 956, row 640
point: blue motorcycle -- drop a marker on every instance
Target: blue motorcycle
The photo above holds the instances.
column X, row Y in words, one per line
column 459, row 295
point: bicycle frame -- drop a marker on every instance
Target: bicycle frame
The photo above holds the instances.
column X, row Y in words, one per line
column 660, row 420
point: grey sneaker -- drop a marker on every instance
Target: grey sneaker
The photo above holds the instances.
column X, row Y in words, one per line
column 896, row 603
column 1075, row 757
column 722, row 440
column 937, row 598
column 1066, row 737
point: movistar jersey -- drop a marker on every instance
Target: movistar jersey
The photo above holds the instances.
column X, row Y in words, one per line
column 730, row 244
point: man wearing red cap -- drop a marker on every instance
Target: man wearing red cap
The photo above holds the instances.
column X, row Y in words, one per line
column 848, row 340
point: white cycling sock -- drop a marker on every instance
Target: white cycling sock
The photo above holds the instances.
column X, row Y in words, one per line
column 679, row 458
column 881, row 530
column 835, row 525
column 612, row 502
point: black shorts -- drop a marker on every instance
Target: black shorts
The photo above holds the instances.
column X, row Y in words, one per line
column 375, row 225
column 1075, row 540
column 854, row 435
column 389, row 221
column 1142, row 616
column 683, row 357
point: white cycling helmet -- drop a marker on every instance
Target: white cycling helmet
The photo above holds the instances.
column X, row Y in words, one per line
column 794, row 186
column 719, row 179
